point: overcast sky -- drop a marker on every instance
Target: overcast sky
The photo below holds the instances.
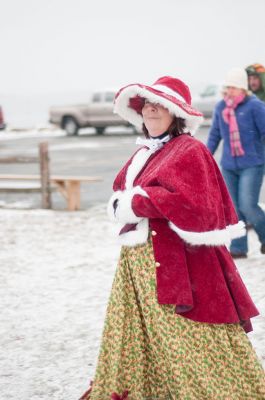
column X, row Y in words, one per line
column 64, row 45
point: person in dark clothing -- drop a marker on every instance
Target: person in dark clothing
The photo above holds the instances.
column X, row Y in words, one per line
column 256, row 83
column 256, row 80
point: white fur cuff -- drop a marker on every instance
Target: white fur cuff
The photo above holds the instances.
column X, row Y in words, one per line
column 218, row 237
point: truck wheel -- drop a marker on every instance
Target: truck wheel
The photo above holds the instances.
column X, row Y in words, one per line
column 100, row 130
column 70, row 126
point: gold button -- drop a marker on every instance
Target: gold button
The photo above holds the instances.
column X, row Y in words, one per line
column 154, row 233
column 157, row 264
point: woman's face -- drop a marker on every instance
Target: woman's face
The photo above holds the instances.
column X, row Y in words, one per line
column 157, row 119
column 233, row 91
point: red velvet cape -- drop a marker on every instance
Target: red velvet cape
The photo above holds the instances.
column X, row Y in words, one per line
column 184, row 185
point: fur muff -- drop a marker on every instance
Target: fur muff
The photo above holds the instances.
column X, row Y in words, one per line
column 123, row 212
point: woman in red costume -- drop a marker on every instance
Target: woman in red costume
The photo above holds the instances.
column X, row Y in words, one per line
column 178, row 311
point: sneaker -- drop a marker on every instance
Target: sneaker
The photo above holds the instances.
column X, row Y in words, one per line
column 241, row 255
column 262, row 249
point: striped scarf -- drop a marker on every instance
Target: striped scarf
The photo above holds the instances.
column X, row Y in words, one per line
column 230, row 118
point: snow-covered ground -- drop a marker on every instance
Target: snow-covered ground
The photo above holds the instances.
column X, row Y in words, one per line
column 56, row 271
column 49, row 130
column 40, row 132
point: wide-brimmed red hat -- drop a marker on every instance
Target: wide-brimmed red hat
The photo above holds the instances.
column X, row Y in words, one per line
column 168, row 92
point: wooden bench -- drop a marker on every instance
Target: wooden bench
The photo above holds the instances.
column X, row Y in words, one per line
column 68, row 186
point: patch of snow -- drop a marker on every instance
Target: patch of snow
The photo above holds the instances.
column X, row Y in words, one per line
column 19, row 185
column 22, row 204
column 14, row 134
column 80, row 145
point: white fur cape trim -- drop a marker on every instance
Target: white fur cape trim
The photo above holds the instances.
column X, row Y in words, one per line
column 136, row 166
column 211, row 238
column 221, row 237
column 122, row 108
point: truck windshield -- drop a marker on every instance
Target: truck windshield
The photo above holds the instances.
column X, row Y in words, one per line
column 110, row 97
column 96, row 97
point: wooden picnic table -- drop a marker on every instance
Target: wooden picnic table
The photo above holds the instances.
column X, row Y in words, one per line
column 69, row 186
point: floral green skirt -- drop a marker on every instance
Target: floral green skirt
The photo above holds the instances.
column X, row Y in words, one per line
column 157, row 354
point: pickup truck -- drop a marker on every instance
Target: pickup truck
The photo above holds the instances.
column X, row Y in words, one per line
column 208, row 98
column 98, row 113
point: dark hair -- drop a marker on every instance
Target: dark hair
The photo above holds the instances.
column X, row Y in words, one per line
column 176, row 128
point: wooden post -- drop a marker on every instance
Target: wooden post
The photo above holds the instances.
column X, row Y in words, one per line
column 45, row 175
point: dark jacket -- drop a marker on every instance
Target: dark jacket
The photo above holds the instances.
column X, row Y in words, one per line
column 250, row 115
column 259, row 70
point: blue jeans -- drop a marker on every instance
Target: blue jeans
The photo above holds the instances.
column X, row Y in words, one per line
column 244, row 187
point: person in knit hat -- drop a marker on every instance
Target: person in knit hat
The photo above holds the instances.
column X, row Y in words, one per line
column 178, row 308
column 239, row 120
column 256, row 80
column 256, row 83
